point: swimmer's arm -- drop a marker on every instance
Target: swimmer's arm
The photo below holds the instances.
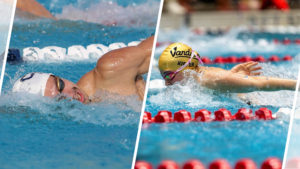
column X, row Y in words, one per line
column 134, row 59
column 146, row 46
column 227, row 81
column 34, row 7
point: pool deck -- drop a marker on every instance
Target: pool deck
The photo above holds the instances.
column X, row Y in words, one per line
column 231, row 18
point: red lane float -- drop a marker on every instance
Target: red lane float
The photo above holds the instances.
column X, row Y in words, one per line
column 231, row 59
column 244, row 114
column 274, row 58
column 259, row 58
column 245, row 59
column 287, row 58
column 182, row 116
column 234, row 59
column 142, row 165
column 246, row 163
column 219, row 164
column 223, row 115
column 168, row 164
column 147, row 117
column 287, row 41
column 206, row 60
column 193, row 164
column 264, row 114
column 163, row 117
column 271, row 163
column 297, row 41
column 219, row 60
column 204, row 115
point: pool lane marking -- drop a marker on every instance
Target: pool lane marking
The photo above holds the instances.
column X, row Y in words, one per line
column 291, row 122
column 7, row 43
column 147, row 85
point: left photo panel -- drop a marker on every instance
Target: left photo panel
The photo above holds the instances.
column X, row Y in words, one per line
column 74, row 82
column 6, row 11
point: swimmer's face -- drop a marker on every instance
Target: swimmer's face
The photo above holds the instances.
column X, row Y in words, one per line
column 70, row 89
column 177, row 78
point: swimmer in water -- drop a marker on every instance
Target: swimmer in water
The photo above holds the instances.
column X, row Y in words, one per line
column 118, row 71
column 32, row 7
column 242, row 78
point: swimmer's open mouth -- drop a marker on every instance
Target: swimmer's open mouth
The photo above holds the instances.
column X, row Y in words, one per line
column 80, row 97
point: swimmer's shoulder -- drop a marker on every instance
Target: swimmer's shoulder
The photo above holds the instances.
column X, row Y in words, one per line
column 87, row 83
column 118, row 61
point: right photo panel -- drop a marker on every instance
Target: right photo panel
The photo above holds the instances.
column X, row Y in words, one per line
column 222, row 85
column 292, row 152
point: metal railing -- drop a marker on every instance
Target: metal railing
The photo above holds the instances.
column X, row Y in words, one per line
column 232, row 18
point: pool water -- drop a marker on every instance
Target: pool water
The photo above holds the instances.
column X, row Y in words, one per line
column 293, row 145
column 39, row 132
column 206, row 142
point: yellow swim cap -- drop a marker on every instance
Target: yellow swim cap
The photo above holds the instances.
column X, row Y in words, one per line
column 175, row 56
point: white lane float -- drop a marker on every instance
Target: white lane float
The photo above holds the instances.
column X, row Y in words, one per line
column 133, row 43
column 78, row 51
column 54, row 52
column 114, row 46
column 285, row 114
column 97, row 50
column 33, row 53
column 75, row 51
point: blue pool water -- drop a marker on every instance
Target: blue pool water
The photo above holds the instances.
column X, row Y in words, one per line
column 38, row 132
column 293, row 145
column 206, row 142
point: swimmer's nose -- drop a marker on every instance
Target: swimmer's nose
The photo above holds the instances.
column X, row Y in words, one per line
column 167, row 83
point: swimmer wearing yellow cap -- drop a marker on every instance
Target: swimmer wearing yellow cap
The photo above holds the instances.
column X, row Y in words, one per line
column 242, row 78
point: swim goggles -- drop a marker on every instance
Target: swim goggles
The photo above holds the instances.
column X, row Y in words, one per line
column 171, row 75
column 60, row 84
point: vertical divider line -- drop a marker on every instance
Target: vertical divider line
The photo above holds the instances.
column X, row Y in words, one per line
column 291, row 121
column 7, row 44
column 147, row 85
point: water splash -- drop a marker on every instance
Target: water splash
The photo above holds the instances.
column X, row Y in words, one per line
column 110, row 13
column 189, row 93
column 107, row 97
column 102, row 113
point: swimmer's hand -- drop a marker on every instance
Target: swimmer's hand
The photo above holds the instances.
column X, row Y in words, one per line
column 247, row 68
